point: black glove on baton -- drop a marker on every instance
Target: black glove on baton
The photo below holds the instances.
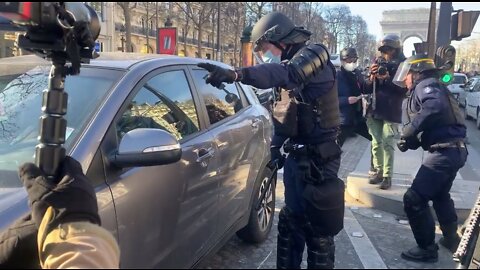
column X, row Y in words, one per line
column 277, row 158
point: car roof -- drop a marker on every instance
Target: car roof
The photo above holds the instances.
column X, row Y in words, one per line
column 118, row 60
column 459, row 74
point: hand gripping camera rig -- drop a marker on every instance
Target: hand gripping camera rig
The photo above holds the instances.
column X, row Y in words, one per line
column 61, row 32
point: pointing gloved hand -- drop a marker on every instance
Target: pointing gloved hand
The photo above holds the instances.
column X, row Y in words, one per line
column 71, row 195
column 278, row 159
column 218, row 74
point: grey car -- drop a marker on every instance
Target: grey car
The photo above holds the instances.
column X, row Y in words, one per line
column 122, row 110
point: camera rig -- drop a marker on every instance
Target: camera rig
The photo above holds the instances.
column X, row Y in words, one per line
column 63, row 33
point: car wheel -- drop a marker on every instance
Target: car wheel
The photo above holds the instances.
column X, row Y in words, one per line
column 260, row 221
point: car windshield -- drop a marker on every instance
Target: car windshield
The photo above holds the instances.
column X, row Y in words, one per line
column 20, row 110
column 459, row 80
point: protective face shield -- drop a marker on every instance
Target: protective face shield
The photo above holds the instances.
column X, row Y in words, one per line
column 269, row 57
column 265, row 54
column 401, row 75
column 416, row 63
column 350, row 66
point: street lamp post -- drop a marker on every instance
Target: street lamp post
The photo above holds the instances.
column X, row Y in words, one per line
column 122, row 37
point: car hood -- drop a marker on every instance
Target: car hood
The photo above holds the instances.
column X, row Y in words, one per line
column 13, row 204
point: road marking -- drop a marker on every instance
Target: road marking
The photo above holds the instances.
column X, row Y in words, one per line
column 264, row 260
column 363, row 246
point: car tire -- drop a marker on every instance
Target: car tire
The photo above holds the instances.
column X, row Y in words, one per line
column 260, row 222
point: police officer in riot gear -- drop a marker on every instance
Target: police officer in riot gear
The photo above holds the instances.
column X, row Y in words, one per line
column 350, row 90
column 433, row 121
column 384, row 112
column 307, row 114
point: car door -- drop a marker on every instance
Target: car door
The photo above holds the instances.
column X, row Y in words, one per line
column 237, row 131
column 472, row 100
column 476, row 100
column 165, row 214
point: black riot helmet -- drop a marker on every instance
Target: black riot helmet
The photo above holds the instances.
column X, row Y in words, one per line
column 348, row 53
column 390, row 40
column 275, row 28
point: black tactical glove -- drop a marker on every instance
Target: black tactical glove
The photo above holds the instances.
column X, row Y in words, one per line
column 72, row 197
column 218, row 74
column 408, row 143
column 278, row 160
column 18, row 245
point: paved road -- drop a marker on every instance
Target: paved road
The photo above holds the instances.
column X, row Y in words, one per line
column 371, row 238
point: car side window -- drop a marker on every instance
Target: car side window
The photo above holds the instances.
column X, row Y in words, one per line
column 220, row 103
column 164, row 102
column 476, row 87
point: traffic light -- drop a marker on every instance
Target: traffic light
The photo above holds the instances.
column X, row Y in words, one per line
column 462, row 24
column 445, row 61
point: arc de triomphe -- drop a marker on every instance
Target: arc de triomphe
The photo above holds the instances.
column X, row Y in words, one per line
column 407, row 23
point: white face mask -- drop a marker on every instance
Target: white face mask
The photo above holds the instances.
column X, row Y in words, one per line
column 350, row 66
column 269, row 57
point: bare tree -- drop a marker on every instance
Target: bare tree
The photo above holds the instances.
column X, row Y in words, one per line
column 335, row 24
column 126, row 7
column 199, row 13
column 256, row 10
column 235, row 17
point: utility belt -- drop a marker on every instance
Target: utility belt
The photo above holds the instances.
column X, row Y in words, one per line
column 311, row 158
column 452, row 144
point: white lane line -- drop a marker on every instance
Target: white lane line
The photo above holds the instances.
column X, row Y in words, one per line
column 361, row 243
column 264, row 260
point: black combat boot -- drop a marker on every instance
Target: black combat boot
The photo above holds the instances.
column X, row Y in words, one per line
column 386, row 183
column 418, row 254
column 450, row 239
column 375, row 178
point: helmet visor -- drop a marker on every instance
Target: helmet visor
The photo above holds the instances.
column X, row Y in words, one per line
column 401, row 75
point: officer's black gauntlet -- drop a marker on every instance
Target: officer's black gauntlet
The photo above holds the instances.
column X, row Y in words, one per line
column 218, row 75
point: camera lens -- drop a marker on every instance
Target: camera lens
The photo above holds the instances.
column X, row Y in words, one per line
column 382, row 70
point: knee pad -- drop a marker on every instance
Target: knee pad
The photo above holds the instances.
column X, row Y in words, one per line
column 321, row 252
column 284, row 221
column 413, row 203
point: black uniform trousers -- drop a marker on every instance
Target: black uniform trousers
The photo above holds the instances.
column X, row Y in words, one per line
column 433, row 182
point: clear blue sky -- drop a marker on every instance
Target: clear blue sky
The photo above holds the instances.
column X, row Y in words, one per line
column 372, row 12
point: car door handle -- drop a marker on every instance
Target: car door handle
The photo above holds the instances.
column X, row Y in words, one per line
column 205, row 154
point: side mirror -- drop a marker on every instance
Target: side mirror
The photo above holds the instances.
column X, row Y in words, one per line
column 146, row 147
column 462, row 86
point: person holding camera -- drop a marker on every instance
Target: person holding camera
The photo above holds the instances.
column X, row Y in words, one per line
column 434, row 121
column 350, row 90
column 63, row 230
column 307, row 114
column 385, row 110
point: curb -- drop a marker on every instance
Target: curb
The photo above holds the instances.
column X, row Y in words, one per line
column 391, row 200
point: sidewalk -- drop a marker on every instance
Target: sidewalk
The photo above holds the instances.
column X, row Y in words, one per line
column 464, row 191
